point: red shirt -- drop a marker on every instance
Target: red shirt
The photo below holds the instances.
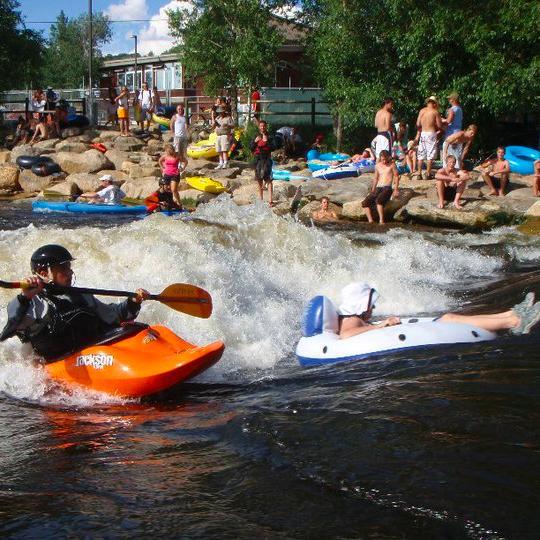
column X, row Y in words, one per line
column 255, row 97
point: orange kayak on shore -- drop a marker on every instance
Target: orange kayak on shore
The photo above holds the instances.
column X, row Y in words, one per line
column 136, row 361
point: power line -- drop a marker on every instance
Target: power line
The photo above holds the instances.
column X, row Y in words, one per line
column 111, row 21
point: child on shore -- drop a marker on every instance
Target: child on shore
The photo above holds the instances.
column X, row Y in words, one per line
column 497, row 172
column 123, row 111
column 262, row 149
column 170, row 165
column 386, row 176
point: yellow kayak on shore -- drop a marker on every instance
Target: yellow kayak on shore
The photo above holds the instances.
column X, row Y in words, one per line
column 203, row 183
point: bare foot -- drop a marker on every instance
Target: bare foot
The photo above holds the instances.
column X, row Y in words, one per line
column 458, row 206
column 492, row 193
column 440, row 205
column 382, row 222
column 501, row 193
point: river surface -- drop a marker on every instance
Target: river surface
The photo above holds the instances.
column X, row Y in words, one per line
column 438, row 443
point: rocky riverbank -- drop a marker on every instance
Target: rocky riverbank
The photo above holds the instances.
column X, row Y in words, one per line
column 132, row 161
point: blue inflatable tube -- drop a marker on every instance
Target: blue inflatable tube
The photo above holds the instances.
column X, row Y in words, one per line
column 521, row 159
column 328, row 156
column 85, row 208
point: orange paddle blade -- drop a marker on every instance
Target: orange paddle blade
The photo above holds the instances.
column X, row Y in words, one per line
column 186, row 298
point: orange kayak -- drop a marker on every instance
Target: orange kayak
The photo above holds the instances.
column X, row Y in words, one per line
column 136, row 361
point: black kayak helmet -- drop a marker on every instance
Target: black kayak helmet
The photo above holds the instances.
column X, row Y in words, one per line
column 49, row 255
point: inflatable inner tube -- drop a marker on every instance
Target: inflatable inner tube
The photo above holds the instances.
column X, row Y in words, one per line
column 46, row 168
column 27, row 162
column 521, row 159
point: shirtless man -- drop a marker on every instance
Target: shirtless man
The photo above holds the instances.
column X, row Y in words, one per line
column 386, row 174
column 497, row 170
column 458, row 145
column 451, row 183
column 324, row 213
column 536, row 180
column 429, row 126
column 385, row 128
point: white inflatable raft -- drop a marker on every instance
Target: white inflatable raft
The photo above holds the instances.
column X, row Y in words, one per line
column 320, row 343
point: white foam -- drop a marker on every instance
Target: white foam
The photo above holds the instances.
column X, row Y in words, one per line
column 260, row 269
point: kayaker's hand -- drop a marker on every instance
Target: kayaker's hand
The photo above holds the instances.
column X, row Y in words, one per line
column 142, row 294
column 392, row 321
column 32, row 286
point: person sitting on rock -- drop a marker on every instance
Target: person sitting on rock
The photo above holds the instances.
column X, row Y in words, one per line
column 23, row 131
column 108, row 194
column 358, row 302
column 324, row 213
column 41, row 131
column 386, row 175
column 451, row 183
column 497, row 172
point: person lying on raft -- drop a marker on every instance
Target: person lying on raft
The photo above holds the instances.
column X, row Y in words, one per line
column 358, row 302
column 108, row 194
column 162, row 200
column 324, row 213
column 451, row 183
column 56, row 324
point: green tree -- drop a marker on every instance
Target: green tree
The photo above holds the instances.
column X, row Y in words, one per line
column 229, row 43
column 18, row 45
column 409, row 49
column 67, row 54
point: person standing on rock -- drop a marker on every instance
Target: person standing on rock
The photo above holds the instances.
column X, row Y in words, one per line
column 386, row 175
column 146, row 101
column 180, row 132
column 262, row 147
column 454, row 116
column 223, row 125
column 123, row 111
column 451, row 183
column 429, row 126
column 170, row 165
column 385, row 128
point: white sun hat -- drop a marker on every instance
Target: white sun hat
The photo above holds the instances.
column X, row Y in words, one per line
column 355, row 298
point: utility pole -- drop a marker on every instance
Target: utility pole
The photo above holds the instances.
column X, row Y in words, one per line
column 136, row 80
column 90, row 62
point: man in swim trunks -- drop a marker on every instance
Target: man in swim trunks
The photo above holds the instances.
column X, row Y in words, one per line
column 324, row 213
column 262, row 147
column 497, row 171
column 385, row 128
column 458, row 145
column 386, row 174
column 429, row 126
column 451, row 183
column 358, row 302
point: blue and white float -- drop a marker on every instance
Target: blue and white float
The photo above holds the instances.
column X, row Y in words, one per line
column 86, row 208
column 346, row 170
column 320, row 343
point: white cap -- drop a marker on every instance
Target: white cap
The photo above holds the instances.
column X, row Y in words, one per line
column 106, row 178
column 355, row 298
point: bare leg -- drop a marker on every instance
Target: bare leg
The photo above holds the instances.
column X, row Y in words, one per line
column 369, row 215
column 176, row 195
column 504, row 183
column 428, row 168
column 420, row 164
column 487, row 179
column 260, row 182
column 492, row 322
column 440, row 193
column 460, row 188
column 380, row 211
column 270, row 192
column 536, row 188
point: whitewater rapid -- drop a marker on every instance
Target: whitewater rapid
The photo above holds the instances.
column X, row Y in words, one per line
column 260, row 269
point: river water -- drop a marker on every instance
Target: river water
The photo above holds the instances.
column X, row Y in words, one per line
column 441, row 443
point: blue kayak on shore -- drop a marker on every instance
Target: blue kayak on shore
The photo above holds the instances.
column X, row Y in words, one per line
column 85, row 208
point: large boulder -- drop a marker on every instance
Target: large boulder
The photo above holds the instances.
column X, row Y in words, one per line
column 128, row 144
column 84, row 181
column 24, row 150
column 353, row 209
column 71, row 146
column 192, row 197
column 66, row 188
column 306, row 212
column 5, row 156
column 246, row 194
column 107, row 135
column 71, row 132
column 143, row 170
column 338, row 191
column 47, row 144
column 475, row 214
column 534, row 210
column 9, row 177
column 219, row 174
column 116, row 157
column 32, row 183
column 140, row 188
column 89, row 161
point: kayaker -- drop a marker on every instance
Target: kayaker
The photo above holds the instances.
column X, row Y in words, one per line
column 108, row 194
column 56, row 324
column 162, row 199
column 358, row 302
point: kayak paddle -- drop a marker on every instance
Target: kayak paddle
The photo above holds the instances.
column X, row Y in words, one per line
column 183, row 297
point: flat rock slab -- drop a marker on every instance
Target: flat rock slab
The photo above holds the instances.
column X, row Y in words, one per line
column 32, row 183
column 9, row 177
column 338, row 191
column 89, row 161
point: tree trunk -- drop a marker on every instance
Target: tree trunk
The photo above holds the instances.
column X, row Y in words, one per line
column 234, row 103
column 338, row 130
